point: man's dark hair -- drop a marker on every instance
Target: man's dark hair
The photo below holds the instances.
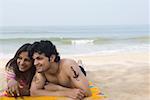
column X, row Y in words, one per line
column 44, row 47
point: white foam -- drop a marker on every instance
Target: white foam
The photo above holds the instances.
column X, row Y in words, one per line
column 78, row 42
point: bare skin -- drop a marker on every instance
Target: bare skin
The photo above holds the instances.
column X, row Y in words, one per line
column 64, row 78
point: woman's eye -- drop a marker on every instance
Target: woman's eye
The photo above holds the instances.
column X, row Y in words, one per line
column 19, row 58
column 27, row 60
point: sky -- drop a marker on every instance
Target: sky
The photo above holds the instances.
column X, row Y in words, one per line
column 73, row 12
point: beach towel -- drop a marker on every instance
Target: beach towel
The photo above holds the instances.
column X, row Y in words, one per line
column 96, row 95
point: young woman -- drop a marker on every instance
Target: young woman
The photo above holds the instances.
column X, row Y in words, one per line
column 20, row 72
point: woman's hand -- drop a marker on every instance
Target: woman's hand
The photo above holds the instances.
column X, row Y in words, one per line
column 13, row 87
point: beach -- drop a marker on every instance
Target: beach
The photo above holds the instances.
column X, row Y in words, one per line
column 116, row 58
column 119, row 75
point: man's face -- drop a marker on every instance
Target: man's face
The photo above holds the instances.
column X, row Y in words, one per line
column 41, row 62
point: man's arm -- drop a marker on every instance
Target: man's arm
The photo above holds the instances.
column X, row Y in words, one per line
column 78, row 78
column 39, row 81
column 37, row 89
column 37, row 84
column 55, row 87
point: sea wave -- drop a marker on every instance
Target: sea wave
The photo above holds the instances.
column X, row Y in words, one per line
column 82, row 41
column 73, row 41
column 77, row 41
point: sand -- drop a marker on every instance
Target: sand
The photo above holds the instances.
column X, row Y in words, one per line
column 120, row 76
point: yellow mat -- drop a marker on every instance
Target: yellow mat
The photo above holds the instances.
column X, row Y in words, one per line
column 96, row 95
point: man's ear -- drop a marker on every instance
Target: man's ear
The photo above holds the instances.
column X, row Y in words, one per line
column 52, row 58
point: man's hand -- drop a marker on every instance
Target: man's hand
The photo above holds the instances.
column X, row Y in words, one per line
column 13, row 87
column 76, row 94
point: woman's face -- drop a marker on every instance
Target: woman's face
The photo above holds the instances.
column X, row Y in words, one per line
column 24, row 62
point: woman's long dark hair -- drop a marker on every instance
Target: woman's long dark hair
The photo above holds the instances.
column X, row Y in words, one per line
column 12, row 65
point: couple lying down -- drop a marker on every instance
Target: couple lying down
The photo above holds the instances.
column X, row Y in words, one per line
column 37, row 70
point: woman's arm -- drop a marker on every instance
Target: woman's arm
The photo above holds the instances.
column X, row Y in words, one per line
column 12, row 84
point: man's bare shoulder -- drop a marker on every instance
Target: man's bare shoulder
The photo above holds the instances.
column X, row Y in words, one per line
column 67, row 63
column 38, row 76
column 70, row 67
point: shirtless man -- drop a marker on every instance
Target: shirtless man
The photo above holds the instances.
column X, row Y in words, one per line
column 55, row 76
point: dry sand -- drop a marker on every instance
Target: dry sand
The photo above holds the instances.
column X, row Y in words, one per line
column 120, row 76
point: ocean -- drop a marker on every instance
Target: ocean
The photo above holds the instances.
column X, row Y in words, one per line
column 77, row 40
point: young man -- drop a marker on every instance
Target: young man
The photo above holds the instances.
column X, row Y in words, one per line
column 55, row 76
